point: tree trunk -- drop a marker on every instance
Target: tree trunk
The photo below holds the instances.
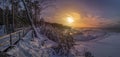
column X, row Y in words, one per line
column 4, row 16
column 13, row 16
column 31, row 21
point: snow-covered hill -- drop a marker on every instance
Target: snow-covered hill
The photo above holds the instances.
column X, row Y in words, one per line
column 100, row 43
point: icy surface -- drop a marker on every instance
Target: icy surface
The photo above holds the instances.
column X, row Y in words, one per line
column 106, row 45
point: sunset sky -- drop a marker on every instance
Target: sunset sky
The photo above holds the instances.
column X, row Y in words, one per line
column 86, row 13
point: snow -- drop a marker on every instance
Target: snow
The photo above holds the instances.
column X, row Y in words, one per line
column 107, row 45
column 110, row 48
column 100, row 43
column 28, row 47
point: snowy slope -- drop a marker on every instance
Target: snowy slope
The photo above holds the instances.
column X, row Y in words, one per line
column 100, row 43
column 28, row 47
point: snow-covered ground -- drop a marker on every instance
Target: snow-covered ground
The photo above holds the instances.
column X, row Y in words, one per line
column 31, row 47
column 107, row 45
column 99, row 43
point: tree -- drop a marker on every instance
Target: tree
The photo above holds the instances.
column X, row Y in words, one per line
column 1, row 17
column 36, row 7
column 40, row 5
column 13, row 15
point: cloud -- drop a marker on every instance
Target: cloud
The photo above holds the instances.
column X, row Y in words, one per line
column 93, row 21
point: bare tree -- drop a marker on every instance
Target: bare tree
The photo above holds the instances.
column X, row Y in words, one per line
column 38, row 6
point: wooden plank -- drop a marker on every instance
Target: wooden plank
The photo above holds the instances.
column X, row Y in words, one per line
column 15, row 37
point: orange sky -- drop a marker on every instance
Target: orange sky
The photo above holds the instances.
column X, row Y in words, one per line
column 87, row 14
column 80, row 20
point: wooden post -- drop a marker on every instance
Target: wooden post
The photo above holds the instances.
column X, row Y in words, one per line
column 32, row 33
column 10, row 39
column 19, row 35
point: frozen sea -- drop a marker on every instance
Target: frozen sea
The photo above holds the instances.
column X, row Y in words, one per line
column 108, row 47
column 104, row 46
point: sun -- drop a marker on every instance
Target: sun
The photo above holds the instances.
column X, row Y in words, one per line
column 70, row 20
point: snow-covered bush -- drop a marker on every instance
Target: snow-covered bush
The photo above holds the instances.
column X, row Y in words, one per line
column 59, row 34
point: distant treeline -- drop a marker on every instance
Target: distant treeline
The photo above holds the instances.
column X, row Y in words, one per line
column 57, row 25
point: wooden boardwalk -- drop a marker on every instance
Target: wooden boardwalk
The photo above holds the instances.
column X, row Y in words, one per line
column 9, row 40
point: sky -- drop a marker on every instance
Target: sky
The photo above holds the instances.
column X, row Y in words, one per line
column 86, row 12
column 90, row 13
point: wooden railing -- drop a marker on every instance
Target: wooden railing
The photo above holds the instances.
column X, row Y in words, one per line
column 10, row 39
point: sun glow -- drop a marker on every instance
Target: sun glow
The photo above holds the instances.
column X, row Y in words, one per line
column 70, row 20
